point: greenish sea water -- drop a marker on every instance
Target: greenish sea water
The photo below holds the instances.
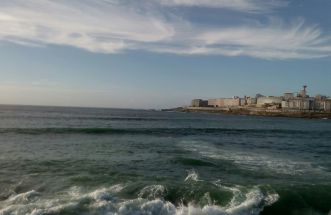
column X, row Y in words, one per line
column 56, row 160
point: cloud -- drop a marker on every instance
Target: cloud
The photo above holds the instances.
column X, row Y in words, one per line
column 112, row 26
column 274, row 40
column 255, row 6
column 106, row 26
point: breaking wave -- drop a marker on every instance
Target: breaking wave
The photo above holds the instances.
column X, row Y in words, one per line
column 150, row 201
column 254, row 161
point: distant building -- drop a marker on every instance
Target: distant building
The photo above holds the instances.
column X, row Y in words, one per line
column 322, row 103
column 199, row 103
column 214, row 102
column 285, row 105
column 319, row 103
column 303, row 92
column 320, row 97
column 299, row 103
column 288, row 96
column 268, row 101
column 288, row 102
column 225, row 102
column 327, row 105
column 242, row 101
column 251, row 101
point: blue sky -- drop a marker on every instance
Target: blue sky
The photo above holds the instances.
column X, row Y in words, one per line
column 160, row 53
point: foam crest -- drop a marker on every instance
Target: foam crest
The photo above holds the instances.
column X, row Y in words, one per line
column 152, row 192
column 192, row 176
column 23, row 197
column 33, row 203
column 254, row 203
column 105, row 201
column 142, row 206
column 254, row 161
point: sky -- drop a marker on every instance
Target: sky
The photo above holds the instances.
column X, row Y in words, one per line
column 160, row 53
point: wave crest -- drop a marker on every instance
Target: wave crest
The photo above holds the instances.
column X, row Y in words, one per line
column 149, row 201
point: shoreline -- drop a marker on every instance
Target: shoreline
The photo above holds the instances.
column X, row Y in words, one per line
column 253, row 112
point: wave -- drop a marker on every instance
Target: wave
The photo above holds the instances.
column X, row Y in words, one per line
column 159, row 131
column 194, row 162
column 103, row 118
column 253, row 161
column 150, row 201
column 103, row 201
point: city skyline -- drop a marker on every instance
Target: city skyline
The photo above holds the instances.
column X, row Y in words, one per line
column 159, row 54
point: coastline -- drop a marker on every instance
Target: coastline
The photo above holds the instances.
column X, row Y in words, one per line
column 253, row 112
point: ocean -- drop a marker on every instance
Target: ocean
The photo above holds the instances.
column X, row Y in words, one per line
column 61, row 160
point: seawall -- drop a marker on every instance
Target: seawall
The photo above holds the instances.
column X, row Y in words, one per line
column 256, row 112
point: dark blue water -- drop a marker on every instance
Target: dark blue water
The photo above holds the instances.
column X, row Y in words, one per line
column 56, row 160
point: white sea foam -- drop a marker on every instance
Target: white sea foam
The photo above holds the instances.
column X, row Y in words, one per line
column 104, row 201
column 192, row 176
column 33, row 203
column 152, row 192
column 251, row 202
column 253, row 161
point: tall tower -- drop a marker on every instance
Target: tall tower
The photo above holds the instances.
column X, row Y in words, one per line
column 303, row 92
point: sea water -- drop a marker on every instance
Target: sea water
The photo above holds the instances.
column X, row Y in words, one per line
column 58, row 160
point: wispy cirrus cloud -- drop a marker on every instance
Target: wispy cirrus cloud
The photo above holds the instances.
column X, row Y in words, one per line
column 111, row 26
column 104, row 26
column 255, row 6
column 274, row 40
